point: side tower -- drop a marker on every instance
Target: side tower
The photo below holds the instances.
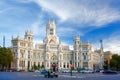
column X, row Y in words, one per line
column 76, row 52
column 76, row 43
column 23, row 49
column 28, row 36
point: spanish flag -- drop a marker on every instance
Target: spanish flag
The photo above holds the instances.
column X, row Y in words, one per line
column 51, row 40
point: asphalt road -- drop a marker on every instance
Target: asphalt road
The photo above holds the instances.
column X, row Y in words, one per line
column 37, row 76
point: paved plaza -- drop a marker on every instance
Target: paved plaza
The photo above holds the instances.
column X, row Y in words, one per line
column 37, row 76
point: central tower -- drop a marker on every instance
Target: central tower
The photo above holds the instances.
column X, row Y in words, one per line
column 50, row 28
column 51, row 36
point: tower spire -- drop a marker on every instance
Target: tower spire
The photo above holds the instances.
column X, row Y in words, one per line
column 3, row 41
column 101, row 55
column 101, row 43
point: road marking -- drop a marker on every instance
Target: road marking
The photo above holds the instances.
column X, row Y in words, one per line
column 70, row 76
column 38, row 75
column 35, row 75
column 77, row 76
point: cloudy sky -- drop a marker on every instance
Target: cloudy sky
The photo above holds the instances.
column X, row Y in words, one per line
column 93, row 20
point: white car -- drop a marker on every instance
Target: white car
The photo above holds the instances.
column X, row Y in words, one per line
column 74, row 71
column 36, row 71
column 86, row 71
column 66, row 71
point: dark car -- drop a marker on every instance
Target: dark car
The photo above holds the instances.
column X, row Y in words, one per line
column 43, row 71
column 31, row 70
column 109, row 72
column 51, row 75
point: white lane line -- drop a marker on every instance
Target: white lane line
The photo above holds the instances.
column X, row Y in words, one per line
column 38, row 75
column 71, row 76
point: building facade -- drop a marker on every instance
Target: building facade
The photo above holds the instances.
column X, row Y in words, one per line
column 51, row 51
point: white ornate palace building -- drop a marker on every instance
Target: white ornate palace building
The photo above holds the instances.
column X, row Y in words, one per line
column 52, row 51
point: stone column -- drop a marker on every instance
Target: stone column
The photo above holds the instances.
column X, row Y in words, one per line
column 66, row 65
column 18, row 67
column 26, row 64
column 62, row 65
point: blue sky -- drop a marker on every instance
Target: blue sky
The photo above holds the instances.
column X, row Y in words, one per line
column 91, row 19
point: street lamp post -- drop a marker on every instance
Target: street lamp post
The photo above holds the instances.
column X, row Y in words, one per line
column 108, row 64
column 110, row 57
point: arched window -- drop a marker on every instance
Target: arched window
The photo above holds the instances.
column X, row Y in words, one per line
column 67, row 65
column 64, row 65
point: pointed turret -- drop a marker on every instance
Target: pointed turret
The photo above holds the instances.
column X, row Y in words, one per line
column 101, row 55
column 76, row 42
column 29, row 35
column 50, row 28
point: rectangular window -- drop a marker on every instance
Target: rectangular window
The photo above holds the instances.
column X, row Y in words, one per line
column 84, row 57
column 51, row 31
column 67, row 65
column 84, row 48
column 14, row 44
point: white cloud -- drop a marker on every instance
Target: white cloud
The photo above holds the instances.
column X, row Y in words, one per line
column 63, row 31
column 82, row 12
column 39, row 26
column 111, row 43
column 5, row 10
column 70, row 46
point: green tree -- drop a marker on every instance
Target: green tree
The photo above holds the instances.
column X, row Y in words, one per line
column 115, row 62
column 6, row 57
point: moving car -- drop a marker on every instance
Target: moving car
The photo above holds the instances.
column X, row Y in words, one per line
column 53, row 71
column 51, row 75
column 43, row 71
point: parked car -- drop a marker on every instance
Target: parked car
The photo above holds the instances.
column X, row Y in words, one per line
column 109, row 72
column 101, row 71
column 86, row 71
column 82, row 71
column 65, row 70
column 36, row 71
column 31, row 70
column 97, row 71
column 74, row 71
column 22, row 70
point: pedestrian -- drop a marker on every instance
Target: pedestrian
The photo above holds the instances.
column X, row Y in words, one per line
column 48, row 74
column 49, row 71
